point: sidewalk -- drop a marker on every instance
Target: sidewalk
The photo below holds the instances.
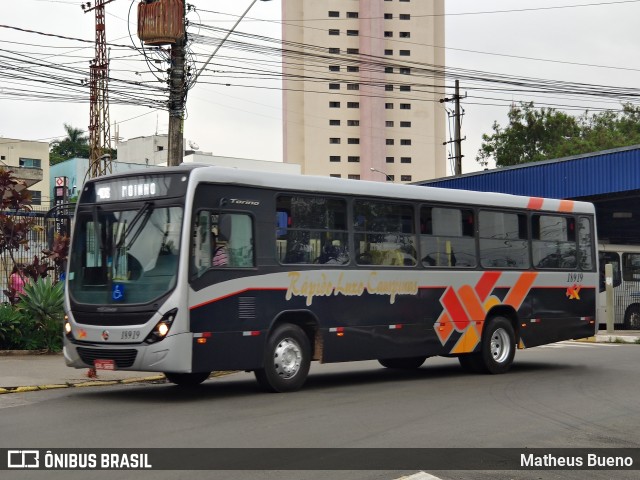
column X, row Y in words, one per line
column 20, row 372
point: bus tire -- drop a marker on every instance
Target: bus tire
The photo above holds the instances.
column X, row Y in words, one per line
column 632, row 318
column 187, row 379
column 498, row 346
column 408, row 363
column 287, row 358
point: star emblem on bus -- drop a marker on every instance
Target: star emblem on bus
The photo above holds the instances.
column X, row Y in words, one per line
column 573, row 293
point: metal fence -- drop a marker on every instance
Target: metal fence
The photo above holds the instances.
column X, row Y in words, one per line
column 46, row 223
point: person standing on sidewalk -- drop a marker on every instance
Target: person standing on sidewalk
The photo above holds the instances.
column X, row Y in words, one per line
column 17, row 279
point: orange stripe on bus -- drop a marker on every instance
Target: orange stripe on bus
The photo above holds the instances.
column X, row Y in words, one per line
column 471, row 302
column 517, row 294
column 566, row 206
column 535, row 203
column 486, row 283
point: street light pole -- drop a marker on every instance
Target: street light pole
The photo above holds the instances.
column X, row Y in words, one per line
column 389, row 179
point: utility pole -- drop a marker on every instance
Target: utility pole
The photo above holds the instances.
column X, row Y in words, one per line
column 99, row 127
column 177, row 99
column 457, row 140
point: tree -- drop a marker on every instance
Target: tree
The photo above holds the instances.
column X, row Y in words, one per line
column 76, row 144
column 542, row 134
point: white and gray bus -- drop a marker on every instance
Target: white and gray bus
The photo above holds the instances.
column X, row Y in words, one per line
column 317, row 268
column 625, row 260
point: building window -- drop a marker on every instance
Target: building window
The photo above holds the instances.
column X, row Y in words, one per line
column 405, row 71
column 334, row 86
column 334, row 104
column 405, row 124
column 388, row 69
column 334, row 50
column 405, row 34
column 388, row 106
column 334, row 14
column 405, row 88
column 334, row 122
column 334, row 140
column 353, row 104
column 334, row 68
column 36, row 198
column 334, row 31
column 390, row 141
column 405, row 178
column 354, row 177
column 405, row 53
column 391, row 178
column 352, row 14
column 352, row 33
column 388, row 16
column 335, row 175
column 354, row 159
column 390, row 160
column 405, row 16
column 405, row 141
column 404, row 0
column 388, row 123
column 388, row 88
column 334, row 158
column 353, row 123
column 353, row 69
column 405, row 106
column 388, row 34
column 353, row 51
column 2, row 157
column 353, row 141
column 388, row 51
column 405, row 159
column 31, row 163
column 160, row 148
column 353, row 86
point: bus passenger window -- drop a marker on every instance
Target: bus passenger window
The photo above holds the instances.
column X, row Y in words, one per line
column 448, row 237
column 504, row 240
column 554, row 242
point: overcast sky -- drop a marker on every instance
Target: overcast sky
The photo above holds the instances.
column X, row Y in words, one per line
column 246, row 122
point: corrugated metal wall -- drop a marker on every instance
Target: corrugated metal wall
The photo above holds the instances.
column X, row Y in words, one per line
column 572, row 177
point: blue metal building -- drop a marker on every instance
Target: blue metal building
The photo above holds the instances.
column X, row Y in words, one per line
column 610, row 179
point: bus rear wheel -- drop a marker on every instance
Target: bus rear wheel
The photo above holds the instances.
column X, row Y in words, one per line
column 187, row 379
column 632, row 318
column 498, row 346
column 287, row 359
column 409, row 363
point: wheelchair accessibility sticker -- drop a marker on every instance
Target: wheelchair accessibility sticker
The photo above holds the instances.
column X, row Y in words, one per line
column 117, row 294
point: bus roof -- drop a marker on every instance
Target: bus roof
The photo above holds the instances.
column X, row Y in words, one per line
column 339, row 186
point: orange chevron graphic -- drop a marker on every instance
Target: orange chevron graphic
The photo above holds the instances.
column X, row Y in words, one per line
column 465, row 309
column 573, row 293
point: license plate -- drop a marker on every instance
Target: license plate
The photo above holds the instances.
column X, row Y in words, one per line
column 104, row 364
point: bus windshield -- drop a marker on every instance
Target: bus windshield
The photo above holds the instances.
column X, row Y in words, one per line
column 124, row 256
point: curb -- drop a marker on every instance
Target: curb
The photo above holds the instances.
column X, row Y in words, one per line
column 98, row 383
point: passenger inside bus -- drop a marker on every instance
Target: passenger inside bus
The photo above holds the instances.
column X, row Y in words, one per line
column 220, row 256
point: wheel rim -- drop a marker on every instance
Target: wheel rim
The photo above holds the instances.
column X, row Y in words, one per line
column 287, row 358
column 500, row 345
column 634, row 320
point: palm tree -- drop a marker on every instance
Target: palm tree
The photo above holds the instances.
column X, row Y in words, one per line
column 76, row 144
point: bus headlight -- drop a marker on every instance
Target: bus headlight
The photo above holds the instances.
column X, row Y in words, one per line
column 67, row 327
column 162, row 328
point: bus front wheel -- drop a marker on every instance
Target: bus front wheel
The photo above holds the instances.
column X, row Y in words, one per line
column 632, row 318
column 287, row 359
column 187, row 379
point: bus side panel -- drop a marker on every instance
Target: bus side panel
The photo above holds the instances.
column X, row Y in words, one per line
column 559, row 314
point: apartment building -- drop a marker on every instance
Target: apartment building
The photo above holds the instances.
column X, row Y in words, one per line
column 29, row 162
column 361, row 88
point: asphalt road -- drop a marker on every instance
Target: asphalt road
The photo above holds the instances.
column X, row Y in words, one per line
column 564, row 395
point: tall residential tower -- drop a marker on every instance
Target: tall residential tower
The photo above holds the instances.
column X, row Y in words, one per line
column 362, row 83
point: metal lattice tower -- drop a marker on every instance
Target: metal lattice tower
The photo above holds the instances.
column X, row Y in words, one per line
column 99, row 128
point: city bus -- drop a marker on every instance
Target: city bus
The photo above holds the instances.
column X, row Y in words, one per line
column 317, row 269
column 625, row 260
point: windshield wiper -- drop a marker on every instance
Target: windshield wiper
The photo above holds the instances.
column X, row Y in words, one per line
column 144, row 210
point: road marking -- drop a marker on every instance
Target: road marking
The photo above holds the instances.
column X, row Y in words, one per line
column 419, row 476
column 570, row 344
